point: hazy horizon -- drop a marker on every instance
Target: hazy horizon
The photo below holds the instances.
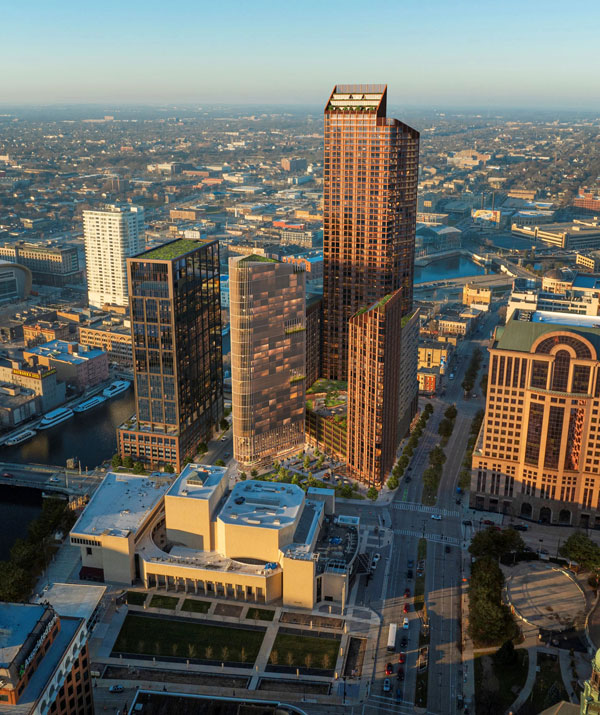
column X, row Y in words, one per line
column 438, row 54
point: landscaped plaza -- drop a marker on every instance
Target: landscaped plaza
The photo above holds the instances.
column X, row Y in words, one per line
column 208, row 645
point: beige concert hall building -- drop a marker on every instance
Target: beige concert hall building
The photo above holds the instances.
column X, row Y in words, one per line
column 538, row 452
column 260, row 542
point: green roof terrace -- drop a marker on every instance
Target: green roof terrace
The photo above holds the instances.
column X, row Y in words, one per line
column 173, row 249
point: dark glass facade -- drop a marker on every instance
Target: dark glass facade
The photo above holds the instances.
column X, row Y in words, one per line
column 369, row 212
column 176, row 332
column 373, row 387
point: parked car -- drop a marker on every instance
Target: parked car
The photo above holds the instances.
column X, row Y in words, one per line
column 405, row 624
column 54, row 480
column 520, row 527
column 399, row 695
column 403, row 642
column 8, row 475
column 376, row 558
column 402, row 657
column 437, row 517
column 488, row 522
column 116, row 689
column 406, row 608
column 410, row 563
column 447, row 549
column 389, row 669
column 400, row 673
column 409, row 573
column 387, row 686
column 467, row 522
column 407, row 593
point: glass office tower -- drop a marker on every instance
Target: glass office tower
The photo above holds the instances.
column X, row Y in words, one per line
column 174, row 296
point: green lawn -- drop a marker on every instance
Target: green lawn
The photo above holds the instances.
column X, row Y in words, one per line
column 136, row 598
column 422, row 549
column 497, row 685
column 261, row 614
column 163, row 602
column 189, row 639
column 191, row 604
column 304, row 651
column 548, row 688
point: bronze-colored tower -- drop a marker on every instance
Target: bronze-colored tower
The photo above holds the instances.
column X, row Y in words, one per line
column 369, row 212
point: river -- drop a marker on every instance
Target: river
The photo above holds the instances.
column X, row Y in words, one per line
column 448, row 267
column 89, row 436
column 18, row 507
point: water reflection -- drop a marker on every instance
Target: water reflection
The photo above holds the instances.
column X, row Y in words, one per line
column 89, row 436
column 446, row 268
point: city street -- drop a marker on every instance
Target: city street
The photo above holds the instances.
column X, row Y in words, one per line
column 406, row 521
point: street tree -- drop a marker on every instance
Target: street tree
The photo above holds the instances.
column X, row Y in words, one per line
column 581, row 549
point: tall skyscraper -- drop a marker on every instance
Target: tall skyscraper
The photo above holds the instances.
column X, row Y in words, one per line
column 373, row 389
column 268, row 357
column 176, row 332
column 538, row 451
column 369, row 212
column 111, row 236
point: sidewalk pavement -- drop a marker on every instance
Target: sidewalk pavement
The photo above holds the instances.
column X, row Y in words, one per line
column 262, row 659
column 565, row 671
column 62, row 569
column 531, row 643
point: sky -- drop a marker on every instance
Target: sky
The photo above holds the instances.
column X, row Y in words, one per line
column 430, row 53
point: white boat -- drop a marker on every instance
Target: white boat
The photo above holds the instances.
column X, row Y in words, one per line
column 21, row 437
column 62, row 414
column 116, row 388
column 88, row 404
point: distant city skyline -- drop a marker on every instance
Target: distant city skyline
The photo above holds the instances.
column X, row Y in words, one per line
column 529, row 55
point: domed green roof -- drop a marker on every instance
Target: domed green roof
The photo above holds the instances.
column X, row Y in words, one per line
column 596, row 661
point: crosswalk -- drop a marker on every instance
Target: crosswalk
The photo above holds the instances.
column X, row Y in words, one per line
column 413, row 506
column 439, row 538
column 390, row 704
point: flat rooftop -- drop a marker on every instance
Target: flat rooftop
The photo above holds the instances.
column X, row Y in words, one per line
column 197, row 481
column 549, row 316
column 173, row 249
column 17, row 621
column 270, row 505
column 120, row 505
column 73, row 599
column 48, row 665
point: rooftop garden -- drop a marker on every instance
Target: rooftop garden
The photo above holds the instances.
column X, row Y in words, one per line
column 255, row 258
column 324, row 385
column 174, row 249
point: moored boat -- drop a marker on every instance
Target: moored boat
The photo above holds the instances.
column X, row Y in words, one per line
column 62, row 414
column 20, row 437
column 116, row 388
column 88, row 404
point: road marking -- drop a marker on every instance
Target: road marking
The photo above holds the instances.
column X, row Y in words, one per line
column 413, row 506
column 440, row 538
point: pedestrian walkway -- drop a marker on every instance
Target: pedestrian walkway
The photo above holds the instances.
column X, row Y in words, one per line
column 63, row 568
column 564, row 659
column 531, row 643
column 413, row 506
column 262, row 659
column 439, row 538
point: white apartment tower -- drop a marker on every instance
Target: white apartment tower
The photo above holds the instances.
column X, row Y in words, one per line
column 111, row 235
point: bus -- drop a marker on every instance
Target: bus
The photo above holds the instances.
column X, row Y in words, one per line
column 391, row 644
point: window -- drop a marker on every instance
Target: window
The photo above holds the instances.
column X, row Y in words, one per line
column 560, row 376
column 539, row 374
column 534, row 434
